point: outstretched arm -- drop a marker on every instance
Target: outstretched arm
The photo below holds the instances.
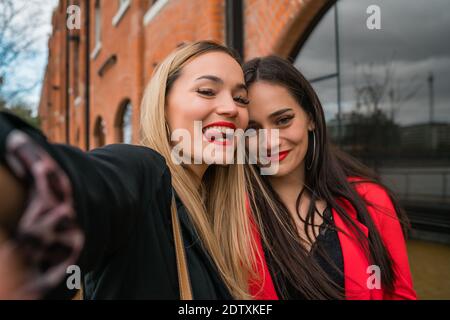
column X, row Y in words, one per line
column 12, row 198
column 108, row 188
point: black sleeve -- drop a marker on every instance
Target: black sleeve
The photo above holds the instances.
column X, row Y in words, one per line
column 111, row 187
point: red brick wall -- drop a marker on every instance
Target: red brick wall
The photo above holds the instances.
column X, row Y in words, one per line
column 52, row 104
column 269, row 27
column 121, row 81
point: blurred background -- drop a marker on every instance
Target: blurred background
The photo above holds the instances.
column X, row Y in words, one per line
column 77, row 70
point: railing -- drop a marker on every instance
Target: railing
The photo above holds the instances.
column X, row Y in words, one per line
column 419, row 184
column 425, row 194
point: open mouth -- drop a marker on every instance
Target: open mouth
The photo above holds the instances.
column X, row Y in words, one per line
column 220, row 133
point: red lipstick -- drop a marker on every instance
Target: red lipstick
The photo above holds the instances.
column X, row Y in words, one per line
column 221, row 124
column 282, row 155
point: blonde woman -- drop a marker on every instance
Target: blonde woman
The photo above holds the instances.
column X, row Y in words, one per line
column 108, row 211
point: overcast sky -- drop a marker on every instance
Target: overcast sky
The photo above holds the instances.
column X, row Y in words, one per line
column 413, row 37
column 41, row 61
column 32, row 70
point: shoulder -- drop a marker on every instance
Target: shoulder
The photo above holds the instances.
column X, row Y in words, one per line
column 378, row 200
column 134, row 151
column 132, row 155
column 368, row 188
column 131, row 163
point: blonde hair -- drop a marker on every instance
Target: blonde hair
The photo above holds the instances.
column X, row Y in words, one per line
column 218, row 208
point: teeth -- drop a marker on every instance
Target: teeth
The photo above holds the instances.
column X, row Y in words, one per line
column 226, row 132
column 221, row 129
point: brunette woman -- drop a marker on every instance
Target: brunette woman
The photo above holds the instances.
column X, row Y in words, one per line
column 329, row 228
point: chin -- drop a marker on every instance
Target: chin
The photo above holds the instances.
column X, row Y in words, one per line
column 281, row 172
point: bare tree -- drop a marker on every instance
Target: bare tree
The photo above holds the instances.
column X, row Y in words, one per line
column 373, row 84
column 20, row 22
column 370, row 87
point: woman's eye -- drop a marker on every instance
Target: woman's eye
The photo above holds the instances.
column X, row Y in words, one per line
column 284, row 121
column 242, row 100
column 206, row 92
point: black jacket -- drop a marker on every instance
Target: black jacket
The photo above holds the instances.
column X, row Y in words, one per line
column 122, row 198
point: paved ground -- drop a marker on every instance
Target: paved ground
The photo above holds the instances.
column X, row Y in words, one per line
column 430, row 267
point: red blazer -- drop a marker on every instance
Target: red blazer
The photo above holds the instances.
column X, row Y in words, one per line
column 356, row 264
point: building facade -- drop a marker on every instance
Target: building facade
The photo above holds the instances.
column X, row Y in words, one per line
column 96, row 74
column 381, row 94
column 381, row 79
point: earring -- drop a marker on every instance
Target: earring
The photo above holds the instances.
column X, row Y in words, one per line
column 314, row 152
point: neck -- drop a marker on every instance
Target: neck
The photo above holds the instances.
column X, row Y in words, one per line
column 288, row 186
column 199, row 171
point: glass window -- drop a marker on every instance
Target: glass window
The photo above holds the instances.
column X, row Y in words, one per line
column 386, row 97
column 127, row 124
column 98, row 23
column 123, row 126
column 99, row 132
column 149, row 3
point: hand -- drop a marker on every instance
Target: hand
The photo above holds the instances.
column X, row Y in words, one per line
column 12, row 198
column 12, row 271
column 47, row 239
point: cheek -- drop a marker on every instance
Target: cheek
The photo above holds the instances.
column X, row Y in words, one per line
column 299, row 140
column 181, row 113
column 243, row 118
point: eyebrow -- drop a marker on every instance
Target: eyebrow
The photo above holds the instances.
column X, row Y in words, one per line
column 220, row 81
column 279, row 112
column 272, row 115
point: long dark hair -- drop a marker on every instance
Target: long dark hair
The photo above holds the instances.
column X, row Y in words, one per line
column 327, row 178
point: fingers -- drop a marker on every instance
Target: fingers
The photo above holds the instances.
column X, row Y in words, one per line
column 47, row 237
column 26, row 157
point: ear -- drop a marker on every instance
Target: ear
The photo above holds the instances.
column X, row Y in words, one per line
column 311, row 123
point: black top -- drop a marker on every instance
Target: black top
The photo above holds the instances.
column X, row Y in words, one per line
column 122, row 196
column 329, row 241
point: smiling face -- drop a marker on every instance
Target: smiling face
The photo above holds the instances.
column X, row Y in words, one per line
column 273, row 107
column 209, row 89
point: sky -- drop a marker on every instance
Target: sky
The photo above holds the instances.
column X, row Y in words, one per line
column 31, row 70
column 413, row 39
column 41, row 60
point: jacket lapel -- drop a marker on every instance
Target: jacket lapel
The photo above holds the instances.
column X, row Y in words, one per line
column 355, row 261
column 192, row 242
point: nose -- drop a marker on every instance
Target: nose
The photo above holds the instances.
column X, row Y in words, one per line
column 227, row 107
column 271, row 140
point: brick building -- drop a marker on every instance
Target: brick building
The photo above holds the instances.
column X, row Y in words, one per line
column 96, row 75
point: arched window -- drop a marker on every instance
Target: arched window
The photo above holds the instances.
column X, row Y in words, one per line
column 99, row 132
column 385, row 94
column 123, row 125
